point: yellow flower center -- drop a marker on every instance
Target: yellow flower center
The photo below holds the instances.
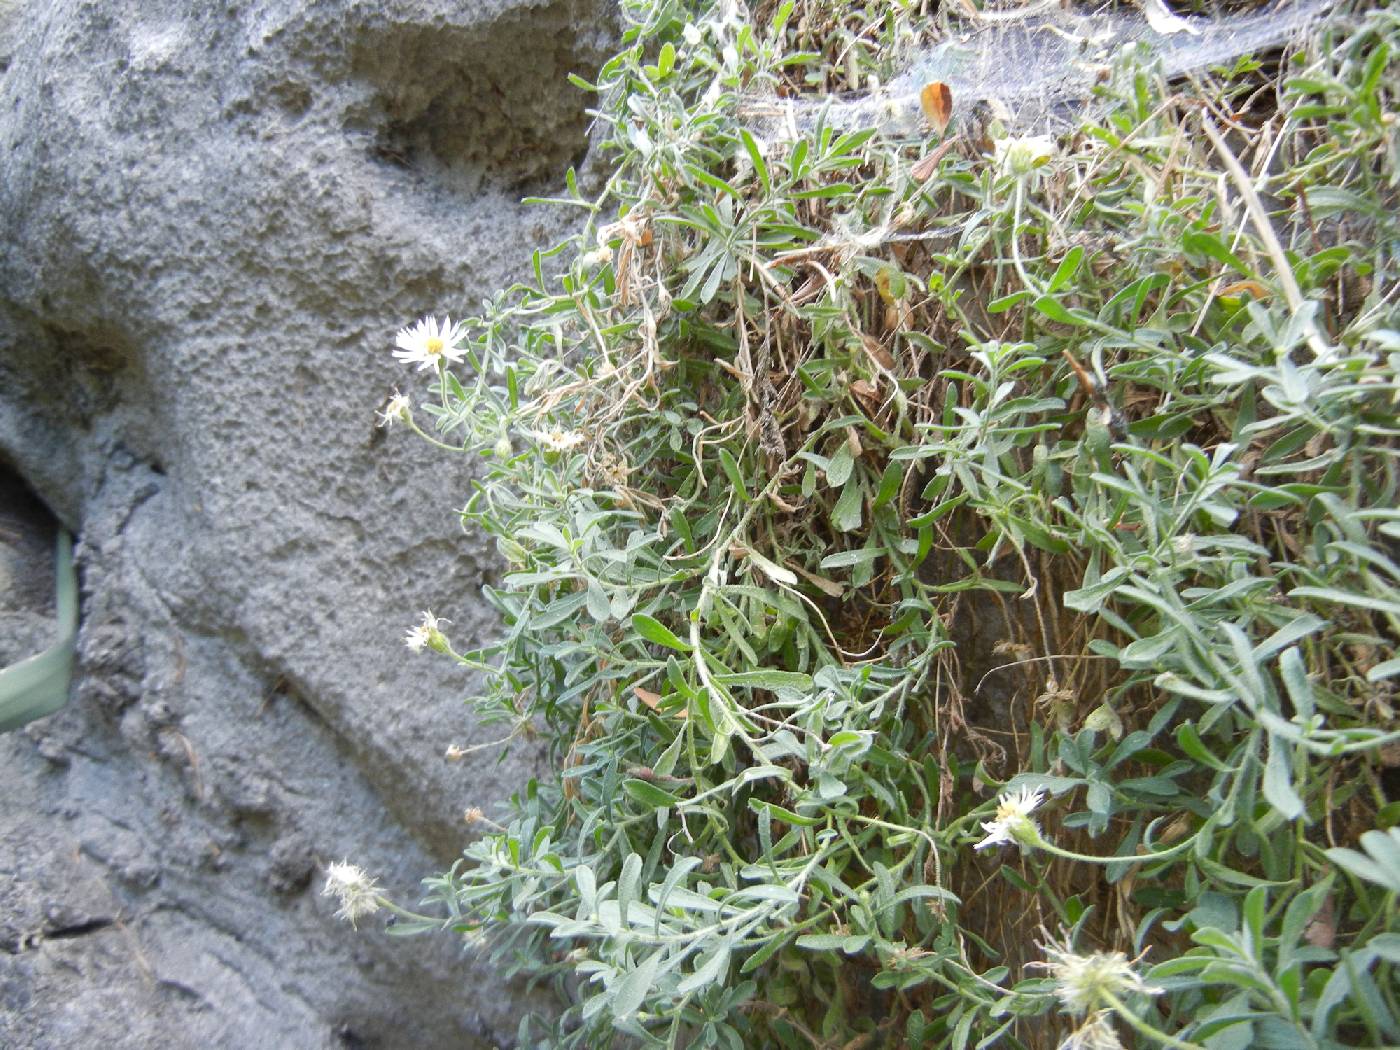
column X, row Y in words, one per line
column 433, row 344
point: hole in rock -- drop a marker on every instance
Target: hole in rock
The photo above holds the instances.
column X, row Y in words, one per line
column 472, row 110
column 27, row 534
column 78, row 929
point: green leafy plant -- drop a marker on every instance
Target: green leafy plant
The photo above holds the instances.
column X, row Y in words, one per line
column 929, row 559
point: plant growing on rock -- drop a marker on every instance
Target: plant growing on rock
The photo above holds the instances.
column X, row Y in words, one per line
column 915, row 543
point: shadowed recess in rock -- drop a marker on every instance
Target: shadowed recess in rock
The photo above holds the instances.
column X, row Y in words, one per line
column 27, row 532
column 467, row 111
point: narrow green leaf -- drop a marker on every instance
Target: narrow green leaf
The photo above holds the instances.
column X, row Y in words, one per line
column 709, row 972
column 780, row 18
column 599, row 608
column 648, row 794
column 773, row 570
column 1384, row 669
column 1006, row 302
column 845, row 559
column 846, row 515
column 627, row 884
column 1379, row 864
column 833, row 942
column 1190, row 742
column 1363, row 601
column 632, row 990
column 731, row 470
column 835, row 189
column 660, row 897
column 1278, row 781
column 1068, row 267
column 758, row 958
column 767, row 679
column 1057, row 311
column 1200, row 242
column 1256, row 903
column 890, row 481
column 713, row 181
column 655, row 631
column 777, row 812
column 839, row 467
column 587, row 886
column 760, row 167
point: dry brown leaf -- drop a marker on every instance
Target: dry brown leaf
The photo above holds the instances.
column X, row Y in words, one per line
column 782, row 504
column 1322, row 931
column 924, row 168
column 651, row 699
column 821, row 583
column 937, row 102
column 878, row 353
column 882, row 285
column 1254, row 288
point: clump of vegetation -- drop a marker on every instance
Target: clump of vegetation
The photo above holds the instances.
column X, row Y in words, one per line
column 956, row 575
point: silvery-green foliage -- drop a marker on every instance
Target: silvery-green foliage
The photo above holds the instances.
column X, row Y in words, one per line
column 789, row 415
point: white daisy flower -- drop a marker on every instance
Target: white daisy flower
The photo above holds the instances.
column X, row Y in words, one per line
column 1013, row 821
column 357, row 892
column 427, row 343
column 1086, row 983
column 398, row 408
column 598, row 257
column 557, row 440
column 427, row 634
column 1021, row 155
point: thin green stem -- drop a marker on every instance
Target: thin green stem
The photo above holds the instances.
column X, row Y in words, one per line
column 1142, row 1027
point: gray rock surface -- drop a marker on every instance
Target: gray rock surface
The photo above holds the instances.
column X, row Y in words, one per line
column 213, row 217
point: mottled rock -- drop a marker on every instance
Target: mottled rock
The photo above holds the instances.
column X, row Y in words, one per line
column 213, row 217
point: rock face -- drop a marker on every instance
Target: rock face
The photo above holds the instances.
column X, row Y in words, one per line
column 213, row 217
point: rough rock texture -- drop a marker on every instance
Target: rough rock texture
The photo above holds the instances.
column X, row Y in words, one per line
column 213, row 216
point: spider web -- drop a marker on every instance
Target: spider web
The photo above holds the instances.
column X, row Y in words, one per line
column 1037, row 66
